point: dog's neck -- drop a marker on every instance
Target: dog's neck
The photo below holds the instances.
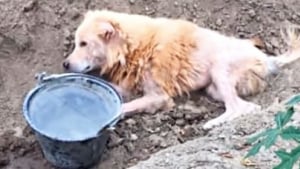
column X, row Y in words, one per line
column 123, row 67
column 127, row 57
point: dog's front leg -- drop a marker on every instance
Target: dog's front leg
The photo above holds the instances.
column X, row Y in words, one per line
column 147, row 103
column 120, row 90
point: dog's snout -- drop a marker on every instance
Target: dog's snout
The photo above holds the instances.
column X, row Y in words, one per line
column 66, row 65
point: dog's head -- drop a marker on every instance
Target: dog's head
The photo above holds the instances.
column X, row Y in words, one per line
column 98, row 45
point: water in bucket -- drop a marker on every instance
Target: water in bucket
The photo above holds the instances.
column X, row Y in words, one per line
column 69, row 112
column 64, row 114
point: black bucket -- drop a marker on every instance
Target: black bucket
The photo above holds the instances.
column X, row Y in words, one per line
column 71, row 115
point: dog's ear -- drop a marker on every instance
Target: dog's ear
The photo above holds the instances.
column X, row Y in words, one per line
column 106, row 31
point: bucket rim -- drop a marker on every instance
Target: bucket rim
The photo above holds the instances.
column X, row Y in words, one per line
column 29, row 95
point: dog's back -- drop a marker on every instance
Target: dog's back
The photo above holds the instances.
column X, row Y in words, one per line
column 159, row 45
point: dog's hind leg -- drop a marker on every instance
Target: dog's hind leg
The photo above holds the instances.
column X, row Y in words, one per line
column 225, row 91
column 213, row 92
column 253, row 80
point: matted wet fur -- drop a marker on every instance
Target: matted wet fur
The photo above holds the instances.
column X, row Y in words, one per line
column 164, row 58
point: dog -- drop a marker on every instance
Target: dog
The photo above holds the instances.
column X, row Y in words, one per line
column 164, row 57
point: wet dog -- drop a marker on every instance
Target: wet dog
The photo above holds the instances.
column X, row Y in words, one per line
column 164, row 58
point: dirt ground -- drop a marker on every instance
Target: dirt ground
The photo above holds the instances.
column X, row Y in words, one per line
column 36, row 35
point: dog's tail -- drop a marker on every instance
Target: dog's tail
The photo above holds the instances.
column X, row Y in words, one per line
column 291, row 35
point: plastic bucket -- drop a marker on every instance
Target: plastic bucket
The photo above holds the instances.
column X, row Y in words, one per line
column 71, row 114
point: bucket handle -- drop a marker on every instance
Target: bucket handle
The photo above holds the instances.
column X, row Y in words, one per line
column 43, row 77
column 111, row 126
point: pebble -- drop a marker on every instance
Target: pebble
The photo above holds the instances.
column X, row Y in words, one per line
column 150, row 12
column 133, row 137
column 130, row 147
column 274, row 42
column 219, row 22
column 258, row 18
column 187, row 131
column 191, row 108
column 269, row 46
column 4, row 160
column 130, row 122
column 115, row 140
column 294, row 16
column 281, row 15
column 252, row 13
column 175, row 3
column 177, row 115
column 18, row 132
column 70, row 1
column 163, row 144
column 62, row 12
column 165, row 117
column 131, row 2
column 1, row 39
column 74, row 14
column 67, row 43
column 157, row 140
column 180, row 122
column 67, row 33
column 164, row 134
column 193, row 115
column 30, row 5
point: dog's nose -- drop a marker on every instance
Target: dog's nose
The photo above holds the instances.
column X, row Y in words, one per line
column 66, row 65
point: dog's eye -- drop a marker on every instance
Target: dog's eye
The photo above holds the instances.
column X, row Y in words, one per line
column 82, row 44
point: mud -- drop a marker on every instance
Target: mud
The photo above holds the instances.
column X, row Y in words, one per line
column 36, row 35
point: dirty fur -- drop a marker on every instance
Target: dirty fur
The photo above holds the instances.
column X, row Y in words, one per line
column 164, row 58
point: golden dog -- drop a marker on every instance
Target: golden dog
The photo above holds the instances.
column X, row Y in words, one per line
column 164, row 58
